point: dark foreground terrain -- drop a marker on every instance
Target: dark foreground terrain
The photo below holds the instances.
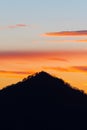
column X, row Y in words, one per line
column 42, row 102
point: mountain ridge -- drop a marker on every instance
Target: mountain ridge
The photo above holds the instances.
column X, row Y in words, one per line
column 42, row 101
column 41, row 74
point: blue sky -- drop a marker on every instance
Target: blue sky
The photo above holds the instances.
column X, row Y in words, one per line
column 41, row 16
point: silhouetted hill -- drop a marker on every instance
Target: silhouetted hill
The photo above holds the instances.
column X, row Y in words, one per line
column 42, row 102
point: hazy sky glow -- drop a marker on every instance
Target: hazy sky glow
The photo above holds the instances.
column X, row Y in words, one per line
column 48, row 35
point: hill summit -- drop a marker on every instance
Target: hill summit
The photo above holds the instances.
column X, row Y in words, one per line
column 42, row 102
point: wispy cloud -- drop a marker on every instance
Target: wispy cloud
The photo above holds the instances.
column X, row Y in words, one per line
column 68, row 41
column 57, row 69
column 21, row 25
column 50, row 55
column 58, row 59
column 82, row 40
column 62, row 41
column 15, row 72
column 13, row 26
column 80, row 69
column 66, row 33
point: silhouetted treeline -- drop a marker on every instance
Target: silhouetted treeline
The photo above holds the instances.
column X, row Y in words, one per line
column 42, row 102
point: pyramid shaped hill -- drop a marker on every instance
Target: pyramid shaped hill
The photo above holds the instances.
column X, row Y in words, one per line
column 43, row 84
column 41, row 102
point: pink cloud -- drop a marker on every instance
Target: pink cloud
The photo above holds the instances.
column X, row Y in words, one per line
column 21, row 25
column 13, row 26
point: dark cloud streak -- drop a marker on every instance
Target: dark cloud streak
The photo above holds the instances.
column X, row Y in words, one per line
column 67, row 33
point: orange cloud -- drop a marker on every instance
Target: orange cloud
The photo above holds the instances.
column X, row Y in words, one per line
column 50, row 55
column 67, row 33
column 80, row 68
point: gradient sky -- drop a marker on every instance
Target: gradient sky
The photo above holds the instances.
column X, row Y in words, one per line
column 40, row 17
column 48, row 35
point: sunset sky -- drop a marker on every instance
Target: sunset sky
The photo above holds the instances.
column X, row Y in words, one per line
column 49, row 35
